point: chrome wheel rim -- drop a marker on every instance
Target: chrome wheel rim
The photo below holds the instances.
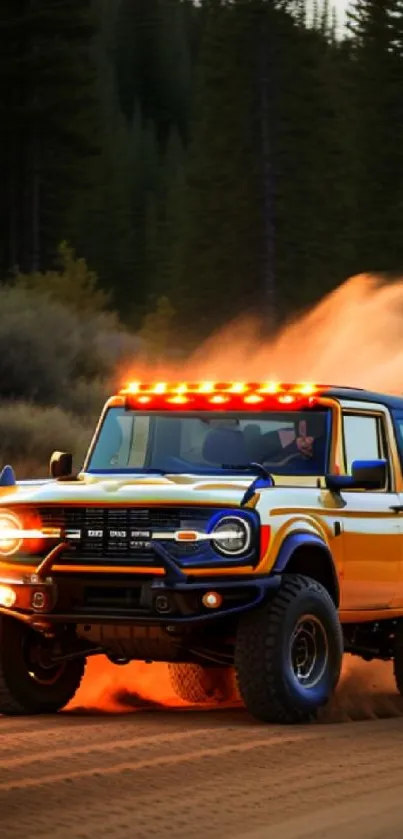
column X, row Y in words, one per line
column 308, row 652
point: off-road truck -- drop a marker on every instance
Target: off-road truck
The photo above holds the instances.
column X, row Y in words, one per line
column 224, row 528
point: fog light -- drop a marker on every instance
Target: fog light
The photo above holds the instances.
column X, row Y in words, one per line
column 39, row 601
column 212, row 600
column 162, row 603
column 7, row 597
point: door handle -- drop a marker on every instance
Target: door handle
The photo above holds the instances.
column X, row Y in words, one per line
column 397, row 508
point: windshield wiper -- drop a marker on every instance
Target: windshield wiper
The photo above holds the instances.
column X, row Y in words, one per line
column 249, row 467
column 262, row 476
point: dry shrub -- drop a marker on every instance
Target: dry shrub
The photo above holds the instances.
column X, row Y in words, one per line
column 46, row 347
column 60, row 345
column 85, row 399
column 30, row 433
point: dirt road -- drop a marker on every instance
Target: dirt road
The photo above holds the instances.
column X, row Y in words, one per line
column 195, row 774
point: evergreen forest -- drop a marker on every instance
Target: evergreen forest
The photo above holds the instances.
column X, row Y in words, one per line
column 206, row 158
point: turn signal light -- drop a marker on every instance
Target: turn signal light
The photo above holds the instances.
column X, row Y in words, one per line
column 186, row 536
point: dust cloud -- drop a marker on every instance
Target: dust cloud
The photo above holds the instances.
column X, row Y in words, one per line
column 366, row 691
column 352, row 337
column 115, row 689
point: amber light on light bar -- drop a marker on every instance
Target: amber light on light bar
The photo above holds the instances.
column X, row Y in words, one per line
column 219, row 395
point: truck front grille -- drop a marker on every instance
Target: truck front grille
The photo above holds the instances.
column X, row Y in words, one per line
column 123, row 534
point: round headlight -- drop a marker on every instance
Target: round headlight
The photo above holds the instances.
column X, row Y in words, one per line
column 232, row 535
column 10, row 541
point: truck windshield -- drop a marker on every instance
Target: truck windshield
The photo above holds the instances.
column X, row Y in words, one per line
column 286, row 443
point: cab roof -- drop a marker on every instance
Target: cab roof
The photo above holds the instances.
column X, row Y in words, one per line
column 391, row 401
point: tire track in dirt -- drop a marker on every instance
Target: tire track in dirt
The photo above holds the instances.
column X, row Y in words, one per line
column 141, row 744
column 150, row 772
column 191, row 774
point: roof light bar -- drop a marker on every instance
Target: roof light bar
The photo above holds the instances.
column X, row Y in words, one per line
column 183, row 388
column 220, row 395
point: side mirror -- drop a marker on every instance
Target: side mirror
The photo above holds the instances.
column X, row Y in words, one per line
column 61, row 465
column 365, row 474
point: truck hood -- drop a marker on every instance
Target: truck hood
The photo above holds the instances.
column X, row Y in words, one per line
column 121, row 490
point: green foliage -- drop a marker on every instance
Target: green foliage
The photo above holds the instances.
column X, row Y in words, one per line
column 74, row 284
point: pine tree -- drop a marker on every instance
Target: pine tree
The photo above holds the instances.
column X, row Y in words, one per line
column 169, row 218
column 153, row 62
column 100, row 223
column 375, row 28
column 311, row 150
column 46, row 114
column 220, row 263
column 142, row 102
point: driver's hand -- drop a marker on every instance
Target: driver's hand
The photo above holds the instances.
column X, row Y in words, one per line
column 305, row 445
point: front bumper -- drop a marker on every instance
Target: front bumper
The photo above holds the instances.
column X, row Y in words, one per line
column 81, row 599
column 45, row 599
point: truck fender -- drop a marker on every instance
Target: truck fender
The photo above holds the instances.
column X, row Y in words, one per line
column 307, row 553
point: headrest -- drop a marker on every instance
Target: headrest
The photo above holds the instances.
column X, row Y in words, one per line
column 270, row 443
column 252, row 431
column 225, row 446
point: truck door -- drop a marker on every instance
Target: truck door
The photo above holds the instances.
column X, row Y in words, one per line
column 398, row 432
column 371, row 529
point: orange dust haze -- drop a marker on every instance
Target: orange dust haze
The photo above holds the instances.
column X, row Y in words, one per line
column 366, row 691
column 115, row 689
column 354, row 336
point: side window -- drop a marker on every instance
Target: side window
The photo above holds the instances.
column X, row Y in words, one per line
column 362, row 439
column 398, row 423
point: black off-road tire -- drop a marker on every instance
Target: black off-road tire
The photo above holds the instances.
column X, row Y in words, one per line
column 265, row 667
column 23, row 693
column 200, row 685
column 398, row 659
